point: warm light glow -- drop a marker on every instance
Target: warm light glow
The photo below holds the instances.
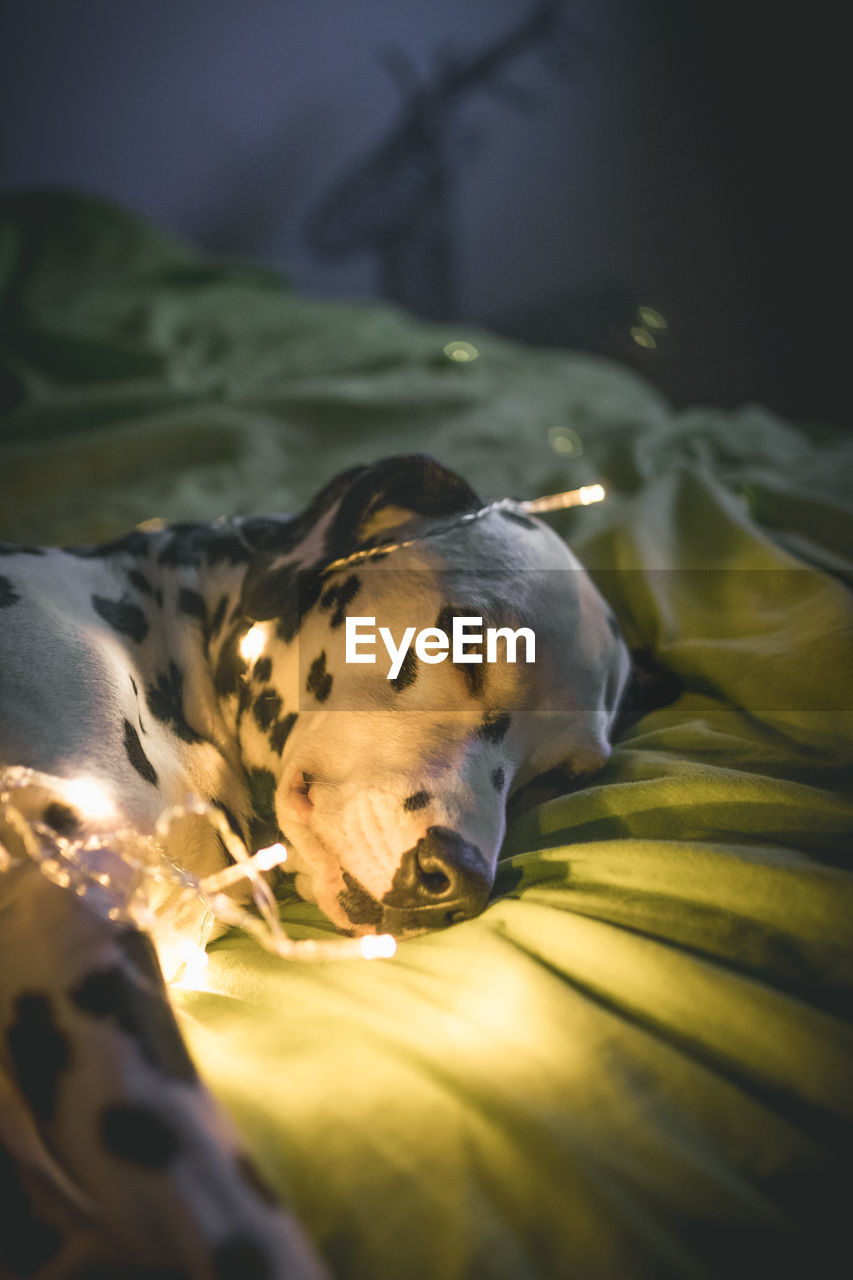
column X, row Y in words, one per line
column 382, row 946
column 462, row 352
column 273, row 856
column 130, row 882
column 89, row 797
column 264, row 860
column 252, row 644
column 184, row 964
column 571, row 498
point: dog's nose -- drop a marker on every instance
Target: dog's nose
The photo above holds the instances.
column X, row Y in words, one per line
column 441, row 880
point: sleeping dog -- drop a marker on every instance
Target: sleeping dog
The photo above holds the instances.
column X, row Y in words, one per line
column 232, row 662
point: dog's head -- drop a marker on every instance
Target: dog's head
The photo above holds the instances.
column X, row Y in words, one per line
column 390, row 778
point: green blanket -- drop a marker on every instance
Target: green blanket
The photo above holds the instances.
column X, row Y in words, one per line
column 639, row 1060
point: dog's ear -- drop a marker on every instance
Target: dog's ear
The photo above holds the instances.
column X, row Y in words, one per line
column 388, row 496
column 369, row 505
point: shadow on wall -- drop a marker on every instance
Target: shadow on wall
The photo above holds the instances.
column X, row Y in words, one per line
column 398, row 203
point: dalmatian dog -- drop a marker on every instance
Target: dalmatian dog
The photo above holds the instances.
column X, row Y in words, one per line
column 304, row 677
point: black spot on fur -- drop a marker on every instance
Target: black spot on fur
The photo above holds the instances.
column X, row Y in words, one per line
column 136, row 755
column 193, row 544
column 217, row 618
column 498, row 778
column 8, row 594
column 166, row 702
column 231, row 666
column 125, row 618
column 444, row 621
column 142, row 1011
column 137, row 579
column 63, row 820
column 244, row 698
column 358, row 904
column 473, row 673
column 135, row 543
column 493, row 726
column 139, row 1135
column 262, row 789
column 286, row 593
column 40, row 1053
column 241, row 1258
column 26, row 1243
column 230, row 819
column 263, row 828
column 262, row 670
column 475, row 678
column 408, row 673
column 340, row 596
column 280, row 732
column 249, row 1172
column 419, row 800
column 518, row 518
column 266, row 708
column 276, row 535
column 192, row 604
column 319, row 680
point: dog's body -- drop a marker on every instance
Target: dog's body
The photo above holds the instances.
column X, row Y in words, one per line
column 126, row 668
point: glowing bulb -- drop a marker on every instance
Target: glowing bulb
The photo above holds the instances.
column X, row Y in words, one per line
column 381, row 946
column 591, row 493
column 184, row 963
column 195, row 967
column 252, row 644
column 273, row 856
column 89, row 797
column 571, row 498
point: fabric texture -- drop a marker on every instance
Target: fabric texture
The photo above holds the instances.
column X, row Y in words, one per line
column 639, row 1060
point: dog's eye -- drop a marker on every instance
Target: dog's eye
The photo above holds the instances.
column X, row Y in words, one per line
column 304, row 787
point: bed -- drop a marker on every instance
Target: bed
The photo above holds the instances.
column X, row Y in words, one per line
column 639, row 1060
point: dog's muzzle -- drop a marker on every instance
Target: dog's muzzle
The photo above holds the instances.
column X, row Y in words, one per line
column 442, row 880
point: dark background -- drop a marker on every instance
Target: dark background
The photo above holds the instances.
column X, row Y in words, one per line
column 688, row 157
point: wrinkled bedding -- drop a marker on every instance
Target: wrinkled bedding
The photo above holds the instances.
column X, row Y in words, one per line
column 639, row 1060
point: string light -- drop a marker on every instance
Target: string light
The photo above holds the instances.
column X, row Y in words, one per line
column 127, row 877
column 581, row 497
column 253, row 642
